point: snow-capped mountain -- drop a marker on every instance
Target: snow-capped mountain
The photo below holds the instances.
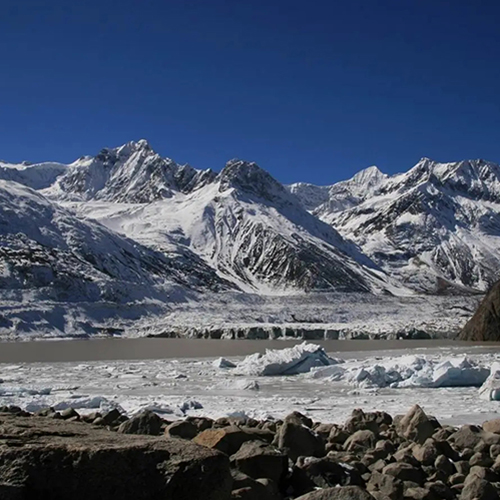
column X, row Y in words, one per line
column 47, row 252
column 249, row 228
column 429, row 229
column 130, row 173
column 436, row 227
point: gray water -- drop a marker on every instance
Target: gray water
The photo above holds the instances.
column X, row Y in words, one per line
column 148, row 348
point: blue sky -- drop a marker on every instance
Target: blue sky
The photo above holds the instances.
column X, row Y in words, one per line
column 313, row 91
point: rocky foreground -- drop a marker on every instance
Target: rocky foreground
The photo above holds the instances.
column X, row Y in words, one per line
column 52, row 455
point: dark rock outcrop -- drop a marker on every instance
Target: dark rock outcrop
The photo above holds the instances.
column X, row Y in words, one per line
column 485, row 324
column 47, row 459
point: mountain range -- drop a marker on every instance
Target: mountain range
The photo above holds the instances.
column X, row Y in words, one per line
column 128, row 225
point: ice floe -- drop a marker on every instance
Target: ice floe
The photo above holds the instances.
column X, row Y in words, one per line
column 290, row 361
column 408, row 371
column 223, row 363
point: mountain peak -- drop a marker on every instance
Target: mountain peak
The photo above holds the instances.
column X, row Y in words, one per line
column 250, row 178
column 370, row 176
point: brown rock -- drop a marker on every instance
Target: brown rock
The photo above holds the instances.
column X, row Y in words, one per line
column 492, row 426
column 298, row 440
column 476, row 488
column 340, row 493
column 261, row 460
column 181, row 429
column 404, row 472
column 415, row 425
column 57, row 460
column 360, row 440
column 485, row 324
column 146, row 422
column 426, row 454
column 390, row 487
column 445, row 464
column 226, row 439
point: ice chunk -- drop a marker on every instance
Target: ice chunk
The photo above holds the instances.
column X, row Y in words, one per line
column 415, row 371
column 79, row 402
column 190, row 404
column 333, row 372
column 461, row 372
column 223, row 363
column 490, row 390
column 290, row 361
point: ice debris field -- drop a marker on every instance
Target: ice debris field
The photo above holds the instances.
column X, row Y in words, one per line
column 454, row 385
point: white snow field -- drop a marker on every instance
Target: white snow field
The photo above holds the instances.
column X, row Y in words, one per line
column 444, row 381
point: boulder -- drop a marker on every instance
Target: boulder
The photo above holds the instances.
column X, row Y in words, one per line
column 311, row 473
column 339, row 493
column 260, row 489
column 111, row 417
column 468, row 436
column 388, row 486
column 404, row 472
column 70, row 413
column 426, row 453
column 146, row 422
column 415, row 425
column 226, row 439
column 440, row 490
column 360, row 421
column 201, row 423
column 56, row 460
column 444, row 464
column 360, row 441
column 260, row 460
column 419, row 493
column 299, row 419
column 298, row 440
column 476, row 488
column 492, row 425
column 181, row 429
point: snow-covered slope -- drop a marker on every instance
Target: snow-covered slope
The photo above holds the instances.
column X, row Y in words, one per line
column 46, row 252
column 251, row 230
column 36, row 176
column 436, row 228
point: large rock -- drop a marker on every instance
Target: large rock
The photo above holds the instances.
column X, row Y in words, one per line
column 48, row 459
column 341, row 493
column 492, row 426
column 258, row 460
column 181, row 429
column 147, row 422
column 311, row 473
column 360, row 441
column 227, row 439
column 404, row 472
column 485, row 324
column 387, row 486
column 477, row 488
column 415, row 425
column 298, row 440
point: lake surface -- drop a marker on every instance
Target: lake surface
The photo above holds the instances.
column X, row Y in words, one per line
column 149, row 348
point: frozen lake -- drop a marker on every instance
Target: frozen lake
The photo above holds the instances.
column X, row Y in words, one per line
column 177, row 377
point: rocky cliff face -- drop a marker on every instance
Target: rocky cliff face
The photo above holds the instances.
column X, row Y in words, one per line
column 485, row 324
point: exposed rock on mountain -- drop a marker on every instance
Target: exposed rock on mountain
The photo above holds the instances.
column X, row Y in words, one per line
column 436, row 227
column 128, row 226
column 132, row 173
column 46, row 250
column 485, row 324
